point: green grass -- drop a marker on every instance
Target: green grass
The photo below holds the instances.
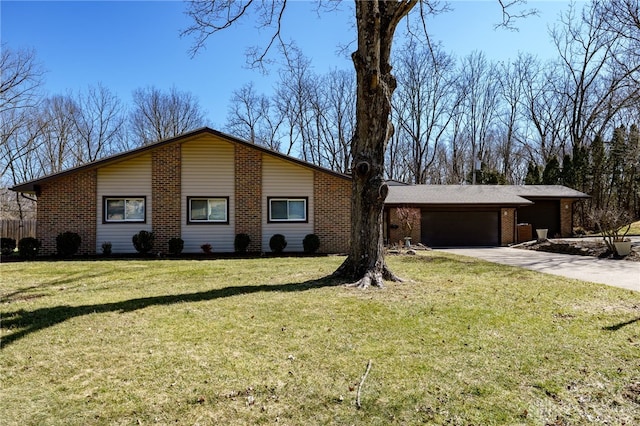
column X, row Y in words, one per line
column 261, row 341
column 635, row 228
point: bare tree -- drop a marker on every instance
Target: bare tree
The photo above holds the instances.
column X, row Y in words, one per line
column 338, row 118
column 510, row 78
column 423, row 104
column 20, row 77
column 622, row 19
column 157, row 115
column 544, row 110
column 296, row 98
column 480, row 106
column 99, row 124
column 56, row 144
column 246, row 112
column 596, row 84
column 20, row 130
column 376, row 22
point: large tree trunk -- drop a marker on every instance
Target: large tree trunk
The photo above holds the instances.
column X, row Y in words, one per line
column 377, row 21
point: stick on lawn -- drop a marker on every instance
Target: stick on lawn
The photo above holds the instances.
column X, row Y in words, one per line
column 364, row 377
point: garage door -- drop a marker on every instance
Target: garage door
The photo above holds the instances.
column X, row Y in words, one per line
column 460, row 228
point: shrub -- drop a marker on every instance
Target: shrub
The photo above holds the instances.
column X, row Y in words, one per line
column 67, row 243
column 206, row 248
column 143, row 241
column 7, row 245
column 613, row 223
column 241, row 243
column 579, row 231
column 29, row 247
column 176, row 245
column 277, row 243
column 106, row 248
column 311, row 243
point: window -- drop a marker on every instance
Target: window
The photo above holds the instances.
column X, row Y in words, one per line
column 287, row 209
column 121, row 209
column 208, row 210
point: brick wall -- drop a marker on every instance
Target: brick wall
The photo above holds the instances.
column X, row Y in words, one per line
column 507, row 226
column 68, row 204
column 332, row 212
column 566, row 217
column 166, row 193
column 248, row 193
column 396, row 230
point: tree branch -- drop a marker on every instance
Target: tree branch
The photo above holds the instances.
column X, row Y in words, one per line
column 364, row 377
column 508, row 17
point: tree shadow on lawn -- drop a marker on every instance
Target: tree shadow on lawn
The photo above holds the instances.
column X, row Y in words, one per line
column 31, row 321
column 617, row 327
column 29, row 292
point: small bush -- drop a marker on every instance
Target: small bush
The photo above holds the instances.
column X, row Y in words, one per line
column 67, row 243
column 206, row 248
column 579, row 231
column 143, row 241
column 7, row 246
column 241, row 243
column 29, row 247
column 176, row 245
column 311, row 243
column 277, row 243
column 106, row 248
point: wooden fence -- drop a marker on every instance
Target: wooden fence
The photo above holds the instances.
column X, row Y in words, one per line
column 18, row 229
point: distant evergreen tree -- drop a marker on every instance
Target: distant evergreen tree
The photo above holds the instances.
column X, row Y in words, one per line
column 486, row 176
column 632, row 172
column 551, row 174
column 568, row 172
column 616, row 166
column 597, row 172
column 579, row 164
column 533, row 174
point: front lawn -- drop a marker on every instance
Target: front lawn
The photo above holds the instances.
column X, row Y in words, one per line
column 260, row 341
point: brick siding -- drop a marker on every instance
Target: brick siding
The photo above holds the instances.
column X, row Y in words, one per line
column 68, row 203
column 396, row 231
column 507, row 226
column 566, row 217
column 166, row 193
column 248, row 194
column 332, row 212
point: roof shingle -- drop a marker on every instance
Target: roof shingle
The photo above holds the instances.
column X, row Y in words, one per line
column 477, row 194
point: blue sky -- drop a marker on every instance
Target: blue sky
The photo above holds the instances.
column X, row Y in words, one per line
column 126, row 45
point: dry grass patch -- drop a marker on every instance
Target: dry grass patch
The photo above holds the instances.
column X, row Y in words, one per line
column 269, row 340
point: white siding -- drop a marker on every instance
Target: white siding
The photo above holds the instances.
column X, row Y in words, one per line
column 130, row 178
column 283, row 179
column 208, row 171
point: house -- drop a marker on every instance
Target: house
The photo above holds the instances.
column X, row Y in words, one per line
column 479, row 215
column 204, row 187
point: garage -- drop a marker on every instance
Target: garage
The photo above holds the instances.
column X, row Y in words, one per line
column 460, row 228
column 475, row 215
column 544, row 214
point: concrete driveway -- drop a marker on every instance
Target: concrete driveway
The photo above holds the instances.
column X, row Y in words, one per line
column 617, row 273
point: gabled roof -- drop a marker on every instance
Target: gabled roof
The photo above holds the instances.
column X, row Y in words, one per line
column 512, row 195
column 29, row 187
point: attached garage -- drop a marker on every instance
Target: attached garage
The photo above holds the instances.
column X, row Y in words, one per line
column 477, row 215
column 460, row 228
column 543, row 214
